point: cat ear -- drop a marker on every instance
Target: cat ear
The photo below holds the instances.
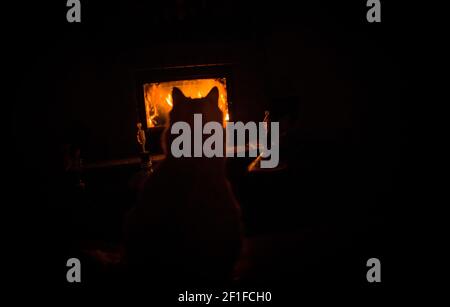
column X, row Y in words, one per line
column 177, row 96
column 213, row 95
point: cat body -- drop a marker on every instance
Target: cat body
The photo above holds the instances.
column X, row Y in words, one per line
column 187, row 223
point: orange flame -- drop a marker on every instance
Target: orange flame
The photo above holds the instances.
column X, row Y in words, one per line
column 169, row 100
column 158, row 98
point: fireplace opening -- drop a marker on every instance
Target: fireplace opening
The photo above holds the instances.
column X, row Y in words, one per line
column 158, row 97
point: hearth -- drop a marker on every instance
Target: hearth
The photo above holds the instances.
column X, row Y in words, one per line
column 158, row 97
column 154, row 89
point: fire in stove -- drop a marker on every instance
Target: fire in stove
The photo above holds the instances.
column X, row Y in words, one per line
column 158, row 98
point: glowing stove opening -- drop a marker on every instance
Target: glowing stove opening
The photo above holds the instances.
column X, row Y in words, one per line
column 158, row 97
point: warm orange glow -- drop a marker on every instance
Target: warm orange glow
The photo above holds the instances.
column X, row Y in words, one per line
column 169, row 100
column 158, row 98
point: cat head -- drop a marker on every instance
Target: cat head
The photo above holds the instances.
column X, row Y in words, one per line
column 184, row 109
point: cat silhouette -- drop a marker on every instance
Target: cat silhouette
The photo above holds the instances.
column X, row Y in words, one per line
column 187, row 224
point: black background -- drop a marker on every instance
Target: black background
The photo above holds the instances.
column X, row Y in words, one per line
column 358, row 74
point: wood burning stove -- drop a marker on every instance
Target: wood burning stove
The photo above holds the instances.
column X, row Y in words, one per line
column 154, row 88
